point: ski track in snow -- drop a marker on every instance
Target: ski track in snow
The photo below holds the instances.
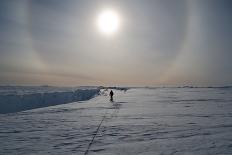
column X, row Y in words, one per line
column 141, row 121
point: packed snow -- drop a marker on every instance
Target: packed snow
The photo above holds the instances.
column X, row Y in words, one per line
column 140, row 121
column 20, row 98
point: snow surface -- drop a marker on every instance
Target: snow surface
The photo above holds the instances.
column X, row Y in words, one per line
column 140, row 122
column 23, row 90
column 20, row 98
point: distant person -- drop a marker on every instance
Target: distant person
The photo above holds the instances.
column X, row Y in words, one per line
column 111, row 96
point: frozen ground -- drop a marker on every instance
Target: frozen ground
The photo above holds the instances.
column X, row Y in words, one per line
column 140, row 122
column 26, row 90
column 21, row 98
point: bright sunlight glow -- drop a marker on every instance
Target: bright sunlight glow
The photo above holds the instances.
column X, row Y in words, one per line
column 108, row 22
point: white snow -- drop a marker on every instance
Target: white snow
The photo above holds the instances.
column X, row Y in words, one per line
column 140, row 122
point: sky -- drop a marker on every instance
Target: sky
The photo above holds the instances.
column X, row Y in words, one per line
column 158, row 43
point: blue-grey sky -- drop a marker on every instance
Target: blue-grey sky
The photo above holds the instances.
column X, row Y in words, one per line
column 158, row 42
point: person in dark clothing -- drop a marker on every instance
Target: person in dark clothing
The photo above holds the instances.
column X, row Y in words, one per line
column 111, row 95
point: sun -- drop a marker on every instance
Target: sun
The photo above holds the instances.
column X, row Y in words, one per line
column 108, row 22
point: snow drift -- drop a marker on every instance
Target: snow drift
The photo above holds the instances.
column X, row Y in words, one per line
column 20, row 102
